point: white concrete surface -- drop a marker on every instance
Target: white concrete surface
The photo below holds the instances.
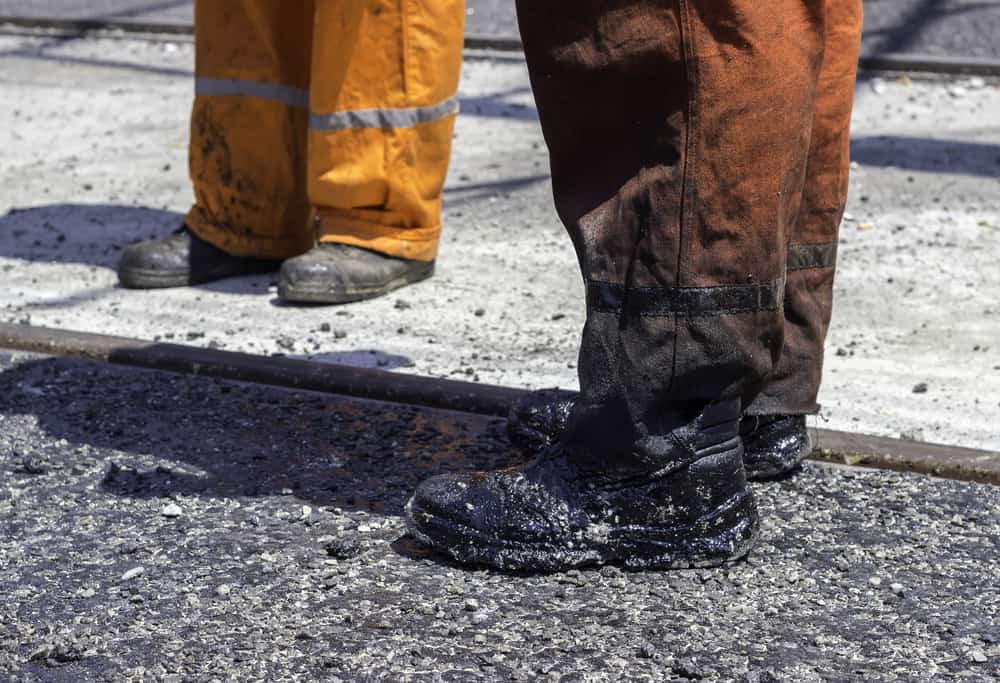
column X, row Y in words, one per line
column 93, row 134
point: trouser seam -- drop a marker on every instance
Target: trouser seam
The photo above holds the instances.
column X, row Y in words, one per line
column 684, row 25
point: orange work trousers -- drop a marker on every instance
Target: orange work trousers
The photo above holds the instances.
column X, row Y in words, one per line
column 323, row 120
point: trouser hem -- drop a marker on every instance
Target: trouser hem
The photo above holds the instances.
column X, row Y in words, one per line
column 246, row 245
column 414, row 244
column 766, row 406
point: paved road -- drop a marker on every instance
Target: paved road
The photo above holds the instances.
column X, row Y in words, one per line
column 938, row 27
column 165, row 527
column 281, row 553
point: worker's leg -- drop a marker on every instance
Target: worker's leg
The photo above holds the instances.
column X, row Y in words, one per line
column 774, row 430
column 793, row 385
column 248, row 128
column 678, row 135
column 247, row 149
column 383, row 106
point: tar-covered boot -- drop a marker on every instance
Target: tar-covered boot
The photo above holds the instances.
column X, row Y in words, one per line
column 182, row 259
column 340, row 273
column 676, row 498
column 539, row 419
column 773, row 445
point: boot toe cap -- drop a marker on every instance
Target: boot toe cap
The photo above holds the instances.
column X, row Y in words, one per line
column 452, row 497
column 150, row 255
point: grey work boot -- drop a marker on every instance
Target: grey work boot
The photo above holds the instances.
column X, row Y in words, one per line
column 182, row 259
column 671, row 500
column 774, row 445
column 340, row 273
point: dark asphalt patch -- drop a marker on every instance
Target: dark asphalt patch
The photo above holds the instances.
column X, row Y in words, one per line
column 181, row 528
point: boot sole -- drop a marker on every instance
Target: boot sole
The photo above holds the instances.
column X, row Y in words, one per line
column 139, row 278
column 345, row 295
column 721, row 536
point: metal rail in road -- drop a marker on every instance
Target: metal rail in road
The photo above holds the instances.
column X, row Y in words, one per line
column 832, row 446
column 908, row 62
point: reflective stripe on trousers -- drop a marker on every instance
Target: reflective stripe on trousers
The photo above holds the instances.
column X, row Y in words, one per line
column 297, row 97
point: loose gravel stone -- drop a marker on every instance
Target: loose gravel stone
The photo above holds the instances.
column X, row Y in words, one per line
column 343, row 548
column 171, row 510
column 133, row 573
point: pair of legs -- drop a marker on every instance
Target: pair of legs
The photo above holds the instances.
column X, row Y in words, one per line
column 318, row 121
column 699, row 157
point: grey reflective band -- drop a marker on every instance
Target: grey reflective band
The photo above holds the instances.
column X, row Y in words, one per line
column 805, row 256
column 344, row 120
column 221, row 87
column 383, row 118
column 688, row 301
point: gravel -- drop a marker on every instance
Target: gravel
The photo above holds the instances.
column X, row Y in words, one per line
column 290, row 562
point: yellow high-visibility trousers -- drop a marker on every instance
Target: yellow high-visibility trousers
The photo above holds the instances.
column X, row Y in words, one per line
column 326, row 120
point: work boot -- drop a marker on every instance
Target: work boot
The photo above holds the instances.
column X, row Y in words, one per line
column 773, row 445
column 182, row 259
column 673, row 500
column 340, row 273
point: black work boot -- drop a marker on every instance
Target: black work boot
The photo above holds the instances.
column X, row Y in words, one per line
column 773, row 445
column 539, row 418
column 340, row 273
column 677, row 499
column 182, row 259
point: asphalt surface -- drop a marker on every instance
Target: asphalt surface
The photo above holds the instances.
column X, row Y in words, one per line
column 166, row 527
column 951, row 28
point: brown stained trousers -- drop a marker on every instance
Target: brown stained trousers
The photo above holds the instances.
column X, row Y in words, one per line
column 699, row 154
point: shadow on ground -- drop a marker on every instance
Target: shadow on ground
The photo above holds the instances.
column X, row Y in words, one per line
column 161, row 435
column 94, row 235
column 88, row 234
column 924, row 154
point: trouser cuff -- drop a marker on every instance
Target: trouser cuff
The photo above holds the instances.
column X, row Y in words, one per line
column 246, row 244
column 773, row 405
column 360, row 229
